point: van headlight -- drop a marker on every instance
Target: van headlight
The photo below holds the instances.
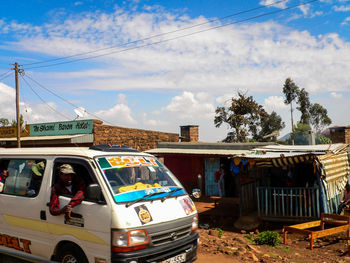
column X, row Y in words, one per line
column 195, row 223
column 124, row 241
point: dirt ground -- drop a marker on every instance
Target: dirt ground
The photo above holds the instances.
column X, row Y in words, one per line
column 235, row 246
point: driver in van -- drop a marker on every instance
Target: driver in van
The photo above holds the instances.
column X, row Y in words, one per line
column 68, row 184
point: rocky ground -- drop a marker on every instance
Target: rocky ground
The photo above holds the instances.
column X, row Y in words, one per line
column 235, row 243
column 237, row 247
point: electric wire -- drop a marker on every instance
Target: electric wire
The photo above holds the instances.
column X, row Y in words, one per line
column 158, row 35
column 178, row 37
column 5, row 73
column 9, row 73
column 66, row 101
column 47, row 104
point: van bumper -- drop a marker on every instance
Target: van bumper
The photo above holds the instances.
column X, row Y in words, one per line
column 186, row 245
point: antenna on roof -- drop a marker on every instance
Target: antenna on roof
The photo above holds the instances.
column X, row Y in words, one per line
column 80, row 112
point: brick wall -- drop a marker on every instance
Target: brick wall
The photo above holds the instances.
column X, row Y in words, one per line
column 340, row 135
column 136, row 138
column 189, row 133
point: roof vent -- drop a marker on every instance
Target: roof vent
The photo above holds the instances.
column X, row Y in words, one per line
column 112, row 148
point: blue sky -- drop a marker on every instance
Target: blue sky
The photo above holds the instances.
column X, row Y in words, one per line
column 174, row 82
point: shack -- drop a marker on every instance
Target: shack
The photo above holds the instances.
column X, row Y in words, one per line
column 293, row 183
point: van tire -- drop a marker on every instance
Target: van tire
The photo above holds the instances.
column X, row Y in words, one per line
column 70, row 253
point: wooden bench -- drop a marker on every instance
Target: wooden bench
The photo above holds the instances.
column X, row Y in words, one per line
column 342, row 224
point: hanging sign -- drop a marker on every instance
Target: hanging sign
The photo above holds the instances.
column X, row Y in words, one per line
column 62, row 128
column 8, row 132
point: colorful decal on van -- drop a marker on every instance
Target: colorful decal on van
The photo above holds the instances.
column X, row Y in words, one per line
column 127, row 161
column 143, row 214
column 187, row 205
column 134, row 195
column 15, row 242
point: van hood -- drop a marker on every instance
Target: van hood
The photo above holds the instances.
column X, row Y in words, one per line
column 152, row 212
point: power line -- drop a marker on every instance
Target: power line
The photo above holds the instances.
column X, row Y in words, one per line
column 178, row 37
column 5, row 75
column 47, row 104
column 66, row 101
column 157, row 35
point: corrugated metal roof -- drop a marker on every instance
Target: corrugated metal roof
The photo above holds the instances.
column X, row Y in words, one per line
column 305, row 148
column 272, row 155
column 221, row 152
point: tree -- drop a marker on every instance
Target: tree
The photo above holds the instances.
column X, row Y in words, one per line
column 270, row 125
column 301, row 134
column 4, row 122
column 290, row 91
column 245, row 117
column 14, row 122
column 319, row 117
column 304, row 106
column 311, row 114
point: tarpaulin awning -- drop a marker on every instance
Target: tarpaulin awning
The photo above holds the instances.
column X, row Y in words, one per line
column 278, row 159
column 335, row 171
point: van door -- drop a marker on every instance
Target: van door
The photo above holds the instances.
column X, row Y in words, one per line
column 22, row 207
column 90, row 226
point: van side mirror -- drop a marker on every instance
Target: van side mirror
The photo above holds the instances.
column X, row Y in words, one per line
column 94, row 193
column 196, row 193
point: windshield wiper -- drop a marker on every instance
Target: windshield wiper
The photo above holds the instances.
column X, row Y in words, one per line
column 170, row 193
column 143, row 197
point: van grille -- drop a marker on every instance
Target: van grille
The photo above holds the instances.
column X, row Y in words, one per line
column 165, row 237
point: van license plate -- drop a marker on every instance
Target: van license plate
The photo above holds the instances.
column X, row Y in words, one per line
column 176, row 259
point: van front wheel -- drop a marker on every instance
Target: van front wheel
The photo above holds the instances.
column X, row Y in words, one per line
column 70, row 253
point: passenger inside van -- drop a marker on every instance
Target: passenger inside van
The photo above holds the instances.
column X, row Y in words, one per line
column 37, row 176
column 68, row 184
column 3, row 175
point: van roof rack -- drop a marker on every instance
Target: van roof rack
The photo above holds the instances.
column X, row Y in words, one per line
column 112, row 148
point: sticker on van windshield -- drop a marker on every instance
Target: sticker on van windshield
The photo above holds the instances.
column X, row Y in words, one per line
column 143, row 214
column 124, row 161
column 137, row 194
column 187, row 205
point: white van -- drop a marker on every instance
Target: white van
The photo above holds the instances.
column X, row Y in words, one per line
column 134, row 210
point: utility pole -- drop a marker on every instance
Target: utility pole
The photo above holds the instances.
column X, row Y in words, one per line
column 291, row 117
column 17, row 106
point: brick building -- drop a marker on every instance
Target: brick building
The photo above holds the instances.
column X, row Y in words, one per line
column 340, row 134
column 83, row 133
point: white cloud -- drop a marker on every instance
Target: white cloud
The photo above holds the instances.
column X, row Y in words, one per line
column 346, row 20
column 253, row 57
column 270, row 3
column 274, row 103
column 342, row 8
column 121, row 99
column 7, row 99
column 119, row 114
column 187, row 106
column 336, row 95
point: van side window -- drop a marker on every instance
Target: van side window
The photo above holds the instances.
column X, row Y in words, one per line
column 83, row 175
column 24, row 177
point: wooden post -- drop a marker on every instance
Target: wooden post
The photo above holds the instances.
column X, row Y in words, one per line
column 285, row 237
column 322, row 221
column 312, row 241
column 348, row 240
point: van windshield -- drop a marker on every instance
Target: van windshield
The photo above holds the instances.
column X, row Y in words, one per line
column 132, row 177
